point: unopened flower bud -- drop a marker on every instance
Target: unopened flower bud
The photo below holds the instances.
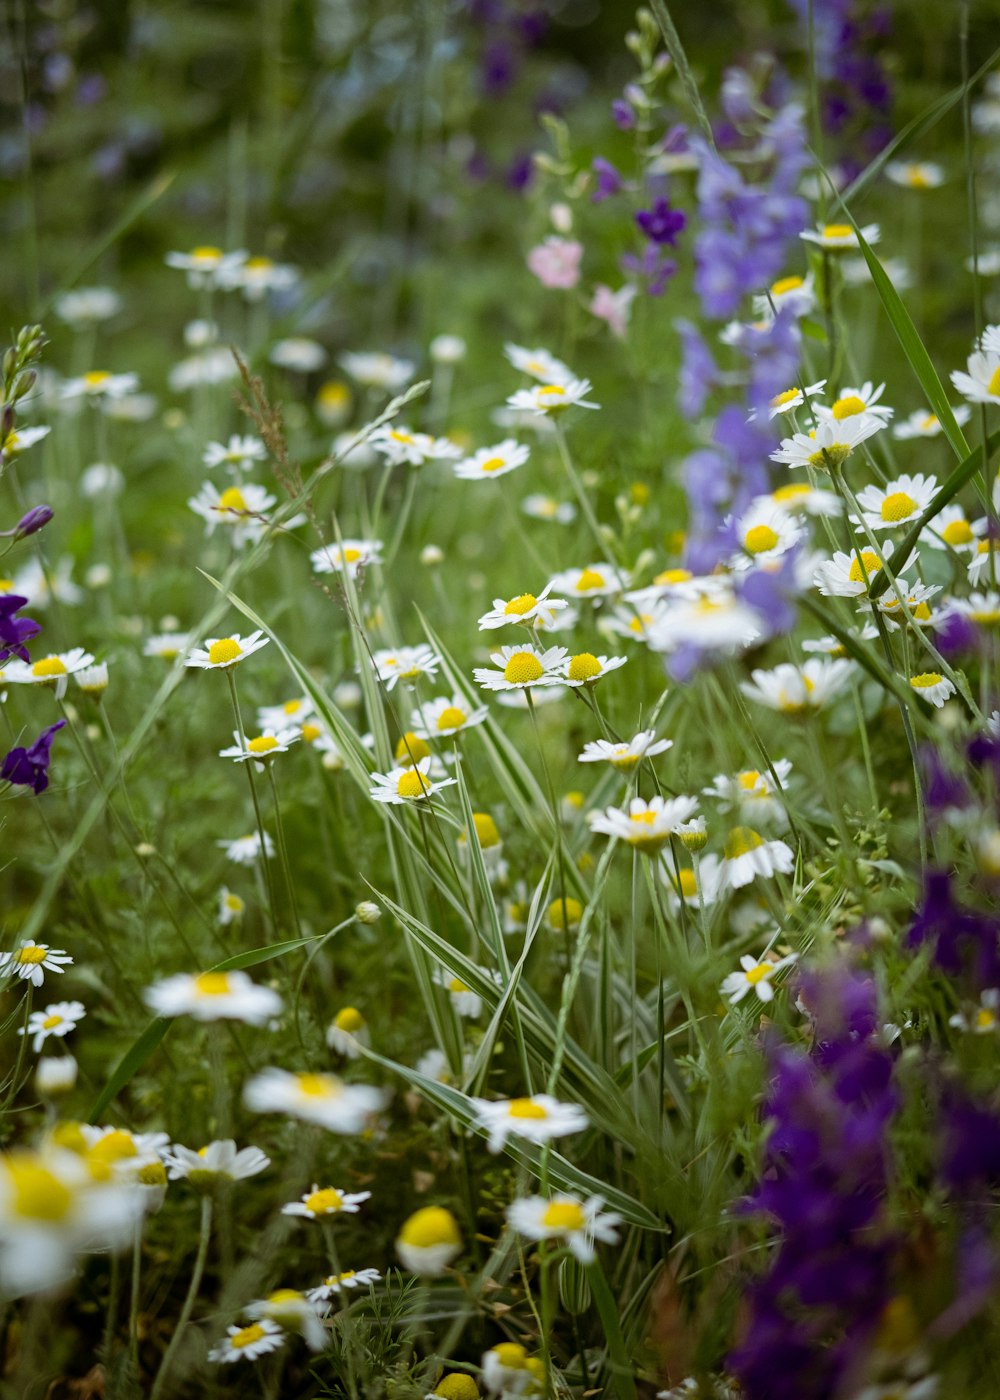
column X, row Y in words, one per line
column 367, row 912
column 55, row 1074
column 36, row 519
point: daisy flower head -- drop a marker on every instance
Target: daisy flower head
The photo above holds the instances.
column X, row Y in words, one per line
column 320, row 1204
column 20, row 439
column 245, row 850
column 592, row 581
column 99, row 385
column 539, row 364
column 206, row 266
column 849, row 575
column 340, row 1283
column 587, row 669
column 925, row 424
column 716, row 621
column 538, row 1119
column 645, row 826
column 30, row 961
column 455, row 1385
column 213, row 996
column 753, row 793
column 259, row 276
column 765, row 532
column 625, row 755
column 347, row 1033
column 375, row 370
column 541, row 507
column 464, row 1001
column 491, row 462
column 694, row 887
column 55, row 1075
column 794, row 690
column 983, row 1021
column 544, row 399
column 428, row 1241
column 220, row 653
column 520, row 668
column 443, row 718
column 315, row 1098
column 747, row 854
column 294, row 711
column 790, row 399
column 93, row 680
column 795, row 294
column 293, row 1311
column 915, row 174
column 840, row 238
column 217, row 1161
column 981, row 608
column 399, row 446
column 917, row 612
column 798, row 497
column 526, row 610
column 979, row 564
column 899, row 502
column 508, row 1370
column 248, row 1343
column 405, row 664
column 754, row 976
column 980, row 382
column 263, row 748
column 931, row 686
column 87, row 306
column 828, row 446
column 411, row 783
column 950, row 529
column 58, row 1019
column 568, row 1218
column 236, row 455
column 168, row 646
column 297, row 353
column 349, row 555
column 857, row 403
column 53, row 670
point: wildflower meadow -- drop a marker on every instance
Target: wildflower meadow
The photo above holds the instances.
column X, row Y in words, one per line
column 499, row 643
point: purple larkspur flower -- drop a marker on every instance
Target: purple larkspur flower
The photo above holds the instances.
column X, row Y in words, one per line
column 623, row 113
column 30, row 767
column 698, row 372
column 609, row 180
column 652, row 269
column 661, row 224
column 15, row 631
column 963, row 941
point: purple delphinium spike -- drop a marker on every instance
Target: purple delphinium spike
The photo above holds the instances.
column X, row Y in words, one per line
column 30, row 767
column 15, row 631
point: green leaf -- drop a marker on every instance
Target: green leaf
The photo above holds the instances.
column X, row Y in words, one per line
column 130, row 1063
column 622, row 1373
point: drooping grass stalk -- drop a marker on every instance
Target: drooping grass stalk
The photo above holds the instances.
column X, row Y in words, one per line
column 204, row 1235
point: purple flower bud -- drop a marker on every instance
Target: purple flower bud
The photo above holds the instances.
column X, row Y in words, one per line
column 30, row 767
column 36, row 519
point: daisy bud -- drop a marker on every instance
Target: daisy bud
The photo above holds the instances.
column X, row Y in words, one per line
column 447, row 349
column 694, row 836
column 55, row 1074
column 145, row 850
column 428, row 1241
column 367, row 912
column 431, row 555
column 456, row 1386
column 574, row 1288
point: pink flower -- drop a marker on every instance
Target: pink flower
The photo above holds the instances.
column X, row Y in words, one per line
column 556, row 262
column 613, row 307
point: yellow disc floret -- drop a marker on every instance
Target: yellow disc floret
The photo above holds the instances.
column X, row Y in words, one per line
column 49, row 668
column 517, row 607
column 584, row 667
column 227, row 649
column 897, row 506
column 527, row 1108
column 848, row 407
column 412, row 783
column 563, row 1215
column 325, row 1202
column 523, row 668
column 37, row 1193
column 411, row 749
column 741, row 840
column 263, row 744
column 451, row 717
column 433, row 1225
column 760, row 539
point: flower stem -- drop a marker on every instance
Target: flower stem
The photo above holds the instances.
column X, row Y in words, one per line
column 204, row 1236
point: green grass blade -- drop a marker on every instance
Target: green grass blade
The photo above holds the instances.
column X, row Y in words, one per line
column 130, row 1063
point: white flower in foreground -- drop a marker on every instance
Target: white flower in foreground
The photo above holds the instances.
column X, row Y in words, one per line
column 318, row 1204
column 932, row 687
column 857, row 403
column 509, row 1371
column 428, row 1241
column 293, row 1311
column 53, row 1207
column 716, row 622
column 491, row 462
column 519, row 668
column 848, row 575
column 99, row 384
column 765, row 532
column 338, row 1283
column 378, row 371
column 539, row 1119
column 526, row 609
column 983, row 1021
column 213, row 996
column 50, row 670
column 578, row 1222
column 950, row 529
column 646, row 826
column 982, row 382
column 755, row 976
column 625, row 755
column 248, row 1343
column 838, row 238
column 790, row 399
column 315, row 1098
column 219, row 653
column 553, row 398
column 245, row 850
column 924, row 424
column 399, row 445
column 407, row 784
column 239, row 508
column 747, row 854
column 351, row 555
column 443, row 718
column 828, row 445
column 793, row 690
column 206, row 266
column 30, row 961
column 262, row 748
column 238, row 454
column 899, row 502
column 539, row 364
column 405, row 664
column 58, row 1019
column 592, row 581
column 217, row 1161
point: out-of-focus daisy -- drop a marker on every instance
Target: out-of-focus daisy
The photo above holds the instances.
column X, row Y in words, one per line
column 333, row 403
column 765, row 532
column 52, row 670
column 747, row 854
column 212, row 996
column 42, row 586
column 219, row 653
column 217, row 1161
column 428, row 1241
column 983, row 1021
column 399, row 445
column 315, row 1098
column 447, row 349
column 294, row 711
column 18, row 440
column 951, row 530
column 55, row 1075
column 99, row 384
column 839, row 238
column 407, row 784
column 351, row 555
column 794, row 690
column 829, row 445
column 320, row 1204
column 541, row 507
column 857, row 403
column 58, row 1019
column 236, row 455
column 297, row 353
column 716, row 622
column 553, row 398
column 899, row 502
column 695, row 888
column 340, row 1283
column 87, row 306
column 206, row 266
column 526, row 609
column 239, row 508
column 491, row 462
column 794, row 294
column 259, row 276
column 915, row 174
column 464, row 1001
column 262, row 748
column 981, row 608
column 538, row 1119
column 248, row 1343
column 849, row 575
column 30, row 961
column 985, row 560
column 799, row 497
column 508, row 1370
column 443, row 718
column 625, row 755
column 981, row 384
column 93, row 680
column 539, row 364
column 925, row 424
column 454, row 1385
column 405, row 664
column 592, row 581
column 245, row 850
column 646, row 826
column 752, row 793
column 347, row 1033
column 932, row 687
column 375, row 370
column 519, row 668
column 790, row 399
column 567, row 1218
column 754, row 977
column 293, row 1311
column 166, row 645
column 917, row 611
column 213, row 365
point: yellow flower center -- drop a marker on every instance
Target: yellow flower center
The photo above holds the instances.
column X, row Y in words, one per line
column 457, row 985
column 351, row 555
column 584, row 667
column 639, row 624
column 556, row 389
column 794, row 492
column 929, row 421
column 759, row 539
column 50, row 666
column 223, row 651
column 512, row 1355
column 985, row 1019
column 673, row 576
column 588, row 580
column 741, row 840
column 38, row 1194
column 234, row 904
column 205, row 254
column 830, row 458
column 116, row 1146
column 985, row 617
column 96, row 377
column 871, row 564
column 527, row 1108
column 31, row 955
column 318, row 1086
column 264, row 743
column 563, row 1215
column 211, row 984
column 493, row 464
column 921, row 612
column 311, row 732
column 564, row 913
column 246, row 1336
column 622, row 759
column 257, row 264
column 837, row 231
column 757, row 973
column 517, row 607
column 925, row 680
column 898, row 506
column 412, row 783
column 994, row 384
column 646, row 818
column 957, row 532
column 401, row 437
column 349, row 1019
column 780, row 400
column 152, row 1174
column 786, row 284
column 51, row 1022
column 451, row 717
column 748, row 780
column 486, row 830
column 232, row 499
column 291, row 707
column 457, row 1387
column 523, row 668
column 433, row 1225
column 411, row 749
column 688, row 883
column 325, row 1202
column 848, row 407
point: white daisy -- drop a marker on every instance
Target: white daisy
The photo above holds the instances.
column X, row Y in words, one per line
column 213, row 996
column 951, row 530
column 53, row 670
column 981, row 608
column 321, row 1204
column 509, row 1371
column 592, row 581
column 539, row 1119
column 43, row 585
column 925, row 424
column 262, row 748
column 520, row 668
column 765, row 532
column 794, row 294
column 899, row 502
column 983, row 1021
column 915, row 174
column 298, row 353
column 526, row 609
column 646, row 826
column 18, row 440
column 217, row 1161
column 350, row 554
column 828, row 445
column 638, row 621
column 399, row 445
column 982, row 382
column 932, row 687
column 790, row 399
column 491, row 462
column 214, row 365
column 553, row 398
column 568, row 1218
column 407, row 784
column 443, row 718
column 753, row 793
column 625, row 755
column 798, row 496
column 747, row 854
column 464, row 1001
column 375, row 370
column 838, row 238
column 167, row 645
column 248, row 1343
column 347, row 1032
column 793, row 690
column 405, row 664
column 30, row 961
column 219, row 653
column 236, row 455
column 539, row 364
column 541, row 507
column 58, row 1019
column 917, row 598
column 293, row 1311
column 428, row 1241
column 259, row 276
column 245, row 850
column 87, row 306
column 716, row 622
column 857, row 403
column 205, row 266
column 979, row 565
column 93, row 680
column 848, row 575
column 755, row 976
column 315, row 1098
column 339, row 1283
column 99, row 384
column 683, row 882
